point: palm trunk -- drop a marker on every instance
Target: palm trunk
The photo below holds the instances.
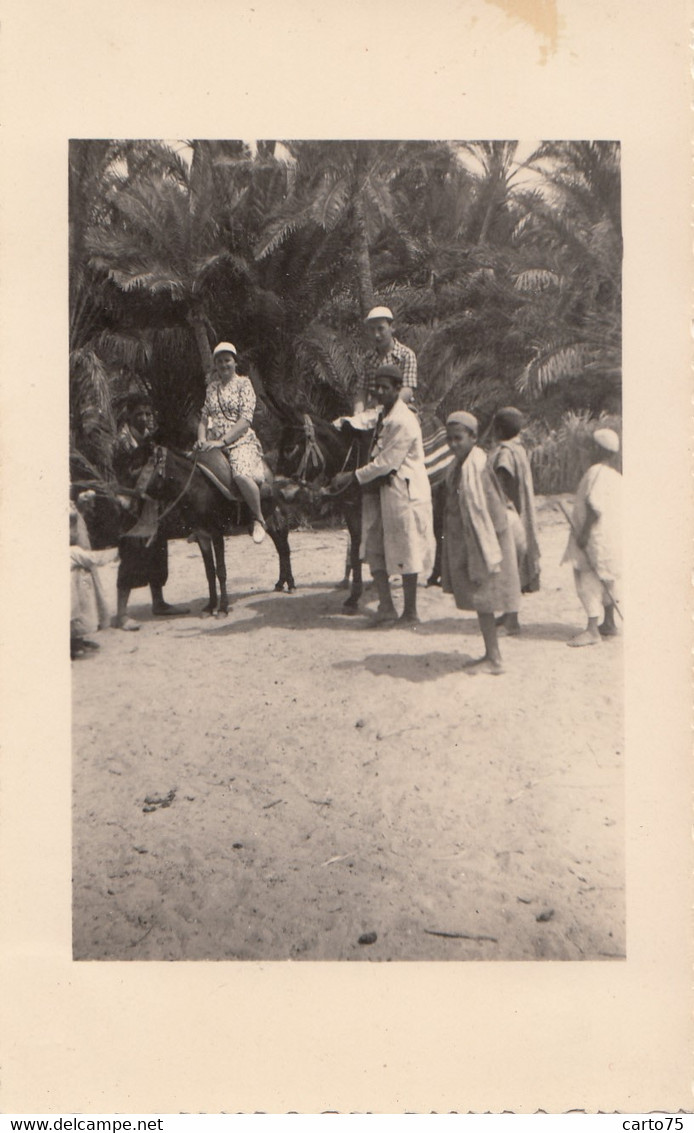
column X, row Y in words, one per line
column 364, row 276
column 256, row 381
column 199, row 328
column 489, row 213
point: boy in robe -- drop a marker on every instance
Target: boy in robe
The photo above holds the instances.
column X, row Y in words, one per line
column 594, row 547
column 479, row 559
column 512, row 469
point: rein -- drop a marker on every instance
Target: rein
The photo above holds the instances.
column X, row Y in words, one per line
column 184, row 489
column 143, row 483
column 341, row 491
column 312, row 455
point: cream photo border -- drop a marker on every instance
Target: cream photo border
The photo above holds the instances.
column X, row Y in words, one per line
column 239, row 1037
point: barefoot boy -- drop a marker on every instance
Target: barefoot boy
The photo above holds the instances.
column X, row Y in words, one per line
column 512, row 470
column 594, row 544
column 479, row 559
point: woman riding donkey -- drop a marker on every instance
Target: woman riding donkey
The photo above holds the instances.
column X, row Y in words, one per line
column 225, row 423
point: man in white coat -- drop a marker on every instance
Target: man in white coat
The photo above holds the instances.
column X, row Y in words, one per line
column 397, row 526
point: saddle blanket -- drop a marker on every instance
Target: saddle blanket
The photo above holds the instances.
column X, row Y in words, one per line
column 437, row 455
column 217, row 469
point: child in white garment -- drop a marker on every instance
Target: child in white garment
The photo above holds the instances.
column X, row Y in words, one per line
column 88, row 608
column 595, row 542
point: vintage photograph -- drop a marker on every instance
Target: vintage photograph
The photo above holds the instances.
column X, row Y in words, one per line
column 345, row 530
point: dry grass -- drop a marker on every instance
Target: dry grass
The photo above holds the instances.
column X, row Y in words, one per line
column 559, row 457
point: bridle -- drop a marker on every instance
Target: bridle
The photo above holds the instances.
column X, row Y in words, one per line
column 152, row 467
column 156, row 466
column 312, row 464
column 312, row 456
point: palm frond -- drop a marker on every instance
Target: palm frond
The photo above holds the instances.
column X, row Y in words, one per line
column 120, row 349
column 551, row 365
column 278, row 231
column 536, row 279
column 329, row 203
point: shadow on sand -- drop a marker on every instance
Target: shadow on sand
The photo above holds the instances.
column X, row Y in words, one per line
column 415, row 667
column 322, row 608
column 533, row 631
column 287, row 611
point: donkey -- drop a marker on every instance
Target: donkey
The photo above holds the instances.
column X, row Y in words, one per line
column 312, row 451
column 207, row 508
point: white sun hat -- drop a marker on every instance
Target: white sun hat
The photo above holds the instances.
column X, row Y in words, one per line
column 607, row 439
column 379, row 313
column 224, row 348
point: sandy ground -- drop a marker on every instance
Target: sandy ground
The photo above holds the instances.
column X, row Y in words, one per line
column 328, row 781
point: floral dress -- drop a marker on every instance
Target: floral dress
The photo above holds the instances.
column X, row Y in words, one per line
column 225, row 403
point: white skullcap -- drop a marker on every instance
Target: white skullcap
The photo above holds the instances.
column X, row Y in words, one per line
column 224, row 348
column 607, row 439
column 379, row 313
column 461, row 417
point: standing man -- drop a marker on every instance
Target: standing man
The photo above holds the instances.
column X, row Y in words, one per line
column 140, row 564
column 594, row 547
column 397, row 533
column 512, row 467
column 385, row 351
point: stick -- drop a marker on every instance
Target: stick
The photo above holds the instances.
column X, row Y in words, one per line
column 134, row 943
column 460, row 935
column 611, row 600
column 339, row 858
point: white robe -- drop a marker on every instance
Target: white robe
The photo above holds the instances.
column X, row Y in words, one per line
column 601, row 491
column 400, row 515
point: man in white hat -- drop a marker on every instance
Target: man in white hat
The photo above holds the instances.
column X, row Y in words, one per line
column 594, row 547
column 385, row 351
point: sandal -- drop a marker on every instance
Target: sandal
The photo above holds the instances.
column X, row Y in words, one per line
column 125, row 623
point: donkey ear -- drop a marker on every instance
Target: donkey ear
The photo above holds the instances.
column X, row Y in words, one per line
column 287, row 413
column 271, row 397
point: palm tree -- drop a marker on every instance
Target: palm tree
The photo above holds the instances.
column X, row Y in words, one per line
column 451, row 276
column 283, row 247
column 576, row 228
column 157, row 237
column 340, row 186
column 316, row 256
column 167, row 232
column 101, row 348
column 494, row 171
